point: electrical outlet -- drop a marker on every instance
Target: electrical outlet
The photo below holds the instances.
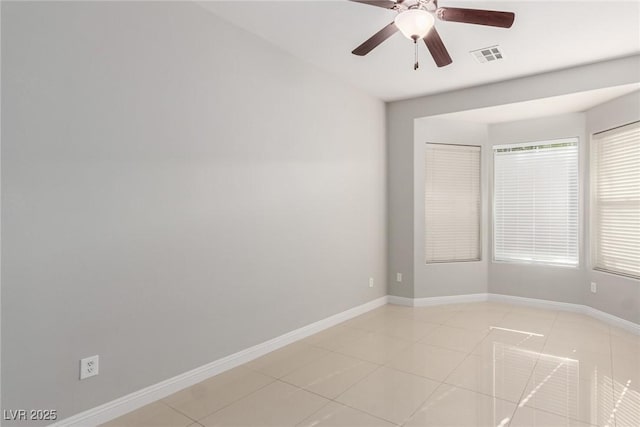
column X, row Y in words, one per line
column 89, row 367
column 371, row 282
column 594, row 287
column 398, row 277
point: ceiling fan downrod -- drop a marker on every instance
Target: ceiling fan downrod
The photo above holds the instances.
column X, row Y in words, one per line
column 415, row 43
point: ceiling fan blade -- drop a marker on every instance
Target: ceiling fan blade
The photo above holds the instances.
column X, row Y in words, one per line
column 436, row 47
column 387, row 4
column 375, row 40
column 492, row 18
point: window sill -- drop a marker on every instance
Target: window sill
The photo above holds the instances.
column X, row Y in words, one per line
column 616, row 274
column 538, row 264
column 451, row 262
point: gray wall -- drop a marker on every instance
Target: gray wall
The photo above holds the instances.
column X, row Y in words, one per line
column 442, row 279
column 400, row 221
column 401, row 140
column 616, row 294
column 565, row 284
column 174, row 190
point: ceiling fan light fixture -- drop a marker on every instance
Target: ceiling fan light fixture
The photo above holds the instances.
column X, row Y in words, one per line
column 414, row 23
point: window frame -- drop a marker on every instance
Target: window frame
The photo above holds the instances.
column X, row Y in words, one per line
column 480, row 206
column 580, row 206
column 593, row 221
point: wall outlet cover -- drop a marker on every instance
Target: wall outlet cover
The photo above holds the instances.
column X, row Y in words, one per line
column 89, row 367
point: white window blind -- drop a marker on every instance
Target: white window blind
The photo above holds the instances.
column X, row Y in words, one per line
column 536, row 202
column 616, row 200
column 452, row 203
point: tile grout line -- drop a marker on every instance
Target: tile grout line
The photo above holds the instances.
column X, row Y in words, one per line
column 335, row 351
column 613, row 387
column 448, row 375
column 378, row 366
column 363, row 378
column 487, row 332
column 273, row 380
column 377, row 369
column 178, row 411
column 535, row 365
column 346, row 405
column 409, row 343
column 342, row 403
column 566, row 416
column 470, row 353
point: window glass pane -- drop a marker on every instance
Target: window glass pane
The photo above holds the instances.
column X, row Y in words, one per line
column 452, row 203
column 616, row 200
column 536, row 202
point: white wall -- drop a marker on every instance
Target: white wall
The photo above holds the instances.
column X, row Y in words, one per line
column 441, row 279
column 616, row 294
column 565, row 284
column 174, row 190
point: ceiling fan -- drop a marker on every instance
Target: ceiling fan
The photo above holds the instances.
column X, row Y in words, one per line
column 415, row 20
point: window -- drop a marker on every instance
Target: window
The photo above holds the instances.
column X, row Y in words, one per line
column 536, row 202
column 616, row 200
column 452, row 203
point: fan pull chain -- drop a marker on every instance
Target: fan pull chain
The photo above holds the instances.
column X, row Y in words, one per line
column 416, row 65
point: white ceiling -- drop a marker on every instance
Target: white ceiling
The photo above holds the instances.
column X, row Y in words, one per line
column 546, row 35
column 543, row 107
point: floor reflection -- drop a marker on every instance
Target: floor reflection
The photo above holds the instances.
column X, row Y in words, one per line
column 564, row 386
column 627, row 404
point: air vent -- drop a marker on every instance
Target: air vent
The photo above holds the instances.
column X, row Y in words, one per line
column 487, row 54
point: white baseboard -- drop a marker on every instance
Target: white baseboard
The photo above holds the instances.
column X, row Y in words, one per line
column 537, row 303
column 628, row 326
column 529, row 302
column 430, row 301
column 115, row 408
column 130, row 402
column 451, row 299
column 632, row 327
column 392, row 299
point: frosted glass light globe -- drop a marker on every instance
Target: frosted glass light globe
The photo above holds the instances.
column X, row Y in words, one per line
column 414, row 23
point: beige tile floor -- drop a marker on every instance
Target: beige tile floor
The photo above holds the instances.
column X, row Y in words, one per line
column 477, row 364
